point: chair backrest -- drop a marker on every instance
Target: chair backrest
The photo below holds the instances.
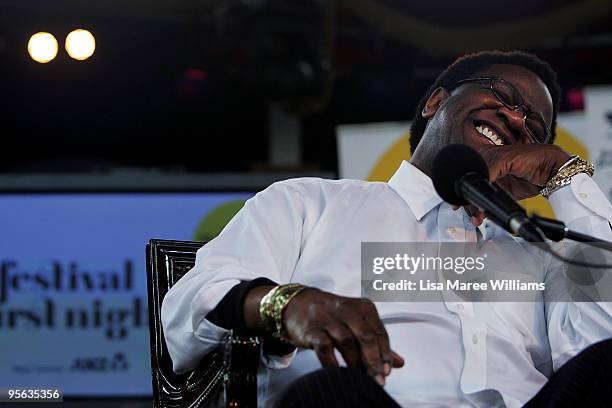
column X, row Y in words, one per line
column 167, row 262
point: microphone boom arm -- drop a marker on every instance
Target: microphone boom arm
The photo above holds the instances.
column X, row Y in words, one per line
column 556, row 230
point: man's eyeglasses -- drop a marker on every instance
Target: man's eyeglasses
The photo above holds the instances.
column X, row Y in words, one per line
column 511, row 98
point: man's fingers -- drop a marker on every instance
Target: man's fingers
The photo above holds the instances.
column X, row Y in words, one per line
column 476, row 215
column 518, row 188
column 535, row 164
column 492, row 156
column 371, row 317
column 478, row 219
column 507, row 161
column 353, row 327
column 319, row 341
column 345, row 342
column 495, row 172
column 397, row 361
column 369, row 347
column 389, row 357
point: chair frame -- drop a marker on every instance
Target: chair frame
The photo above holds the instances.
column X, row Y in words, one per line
column 227, row 376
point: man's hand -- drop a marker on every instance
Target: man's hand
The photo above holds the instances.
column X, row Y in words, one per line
column 322, row 321
column 521, row 170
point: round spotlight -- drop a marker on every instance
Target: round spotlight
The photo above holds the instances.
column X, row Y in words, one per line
column 42, row 47
column 80, row 44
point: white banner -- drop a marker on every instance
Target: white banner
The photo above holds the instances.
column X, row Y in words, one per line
column 599, row 119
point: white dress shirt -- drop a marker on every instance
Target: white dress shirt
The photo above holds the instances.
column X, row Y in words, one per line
column 458, row 354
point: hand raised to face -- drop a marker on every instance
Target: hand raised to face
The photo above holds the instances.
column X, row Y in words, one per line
column 521, row 170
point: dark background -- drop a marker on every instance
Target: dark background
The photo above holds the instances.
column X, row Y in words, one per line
column 186, row 85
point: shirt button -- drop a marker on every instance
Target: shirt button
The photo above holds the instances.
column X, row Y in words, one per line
column 452, row 230
column 460, row 306
column 583, row 195
column 475, row 339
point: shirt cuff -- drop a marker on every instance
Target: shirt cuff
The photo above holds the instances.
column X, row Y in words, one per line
column 229, row 312
column 275, row 362
column 582, row 197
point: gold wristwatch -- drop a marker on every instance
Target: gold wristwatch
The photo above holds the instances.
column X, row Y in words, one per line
column 563, row 177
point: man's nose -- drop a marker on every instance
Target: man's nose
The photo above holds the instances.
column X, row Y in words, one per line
column 514, row 119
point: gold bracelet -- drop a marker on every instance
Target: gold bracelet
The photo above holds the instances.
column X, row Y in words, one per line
column 573, row 166
column 266, row 306
column 272, row 306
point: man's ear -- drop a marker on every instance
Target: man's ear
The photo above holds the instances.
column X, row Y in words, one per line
column 438, row 96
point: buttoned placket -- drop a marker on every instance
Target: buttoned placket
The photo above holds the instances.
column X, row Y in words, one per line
column 455, row 226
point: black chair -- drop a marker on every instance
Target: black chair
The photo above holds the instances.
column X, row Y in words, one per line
column 226, row 377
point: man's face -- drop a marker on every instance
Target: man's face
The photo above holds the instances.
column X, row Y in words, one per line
column 471, row 114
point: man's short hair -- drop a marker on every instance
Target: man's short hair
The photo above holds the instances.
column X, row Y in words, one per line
column 469, row 65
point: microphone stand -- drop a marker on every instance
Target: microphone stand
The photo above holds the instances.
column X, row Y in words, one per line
column 556, row 230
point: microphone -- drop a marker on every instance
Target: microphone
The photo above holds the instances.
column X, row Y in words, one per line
column 461, row 176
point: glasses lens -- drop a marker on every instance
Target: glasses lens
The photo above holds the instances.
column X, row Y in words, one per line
column 506, row 94
column 536, row 126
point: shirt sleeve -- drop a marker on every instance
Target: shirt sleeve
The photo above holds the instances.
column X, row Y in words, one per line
column 574, row 325
column 263, row 240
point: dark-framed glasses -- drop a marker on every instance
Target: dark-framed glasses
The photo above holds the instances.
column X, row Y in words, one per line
column 511, row 98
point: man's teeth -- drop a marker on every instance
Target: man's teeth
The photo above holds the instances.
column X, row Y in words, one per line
column 489, row 134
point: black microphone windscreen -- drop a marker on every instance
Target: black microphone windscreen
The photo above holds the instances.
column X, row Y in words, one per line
column 452, row 163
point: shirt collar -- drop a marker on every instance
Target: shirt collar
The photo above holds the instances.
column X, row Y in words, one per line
column 415, row 188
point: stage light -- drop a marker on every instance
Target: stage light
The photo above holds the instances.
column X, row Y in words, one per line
column 80, row 44
column 42, row 47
